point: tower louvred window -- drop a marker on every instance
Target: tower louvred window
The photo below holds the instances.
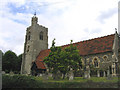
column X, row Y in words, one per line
column 41, row 35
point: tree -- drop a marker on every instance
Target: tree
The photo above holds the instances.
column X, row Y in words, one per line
column 9, row 61
column 63, row 60
column 53, row 59
column 18, row 63
column 71, row 59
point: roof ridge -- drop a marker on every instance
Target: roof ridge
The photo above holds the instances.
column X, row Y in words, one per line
column 89, row 39
column 81, row 41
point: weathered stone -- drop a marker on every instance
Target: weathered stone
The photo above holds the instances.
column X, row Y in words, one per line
column 86, row 75
column 11, row 73
column 87, row 72
column 49, row 75
column 98, row 73
column 40, row 74
column 3, row 72
column 45, row 77
column 33, row 44
column 104, row 74
column 71, row 75
column 109, row 77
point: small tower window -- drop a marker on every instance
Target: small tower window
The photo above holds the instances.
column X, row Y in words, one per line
column 29, row 36
column 41, row 36
column 95, row 62
column 28, row 48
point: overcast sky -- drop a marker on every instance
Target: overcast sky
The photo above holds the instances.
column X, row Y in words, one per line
column 65, row 19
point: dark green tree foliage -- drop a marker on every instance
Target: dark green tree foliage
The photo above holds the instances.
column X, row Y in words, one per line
column 71, row 58
column 53, row 59
column 63, row 60
column 19, row 62
column 10, row 62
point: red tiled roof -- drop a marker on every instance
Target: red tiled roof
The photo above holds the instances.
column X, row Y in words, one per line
column 40, row 64
column 93, row 46
column 39, row 60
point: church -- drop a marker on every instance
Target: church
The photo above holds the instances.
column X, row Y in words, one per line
column 102, row 53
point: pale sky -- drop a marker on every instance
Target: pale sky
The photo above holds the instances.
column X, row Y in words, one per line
column 66, row 20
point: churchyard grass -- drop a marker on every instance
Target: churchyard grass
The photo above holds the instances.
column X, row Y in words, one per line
column 11, row 81
column 81, row 79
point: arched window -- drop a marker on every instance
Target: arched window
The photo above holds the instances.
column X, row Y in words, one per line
column 105, row 57
column 95, row 62
column 41, row 36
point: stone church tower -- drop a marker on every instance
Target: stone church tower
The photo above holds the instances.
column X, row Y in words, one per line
column 36, row 40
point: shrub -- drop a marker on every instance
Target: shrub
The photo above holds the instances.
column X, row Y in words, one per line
column 19, row 81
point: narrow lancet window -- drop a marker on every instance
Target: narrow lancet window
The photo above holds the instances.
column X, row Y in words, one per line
column 95, row 62
column 41, row 36
column 28, row 37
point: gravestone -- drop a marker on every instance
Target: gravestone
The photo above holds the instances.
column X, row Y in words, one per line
column 45, row 76
column 87, row 73
column 11, row 73
column 109, row 77
column 40, row 74
column 3, row 72
column 56, row 76
column 49, row 75
column 71, row 74
column 98, row 73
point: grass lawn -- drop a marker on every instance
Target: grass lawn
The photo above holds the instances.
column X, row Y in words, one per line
column 80, row 79
column 11, row 81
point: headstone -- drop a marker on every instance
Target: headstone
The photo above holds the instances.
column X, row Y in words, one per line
column 98, row 73
column 109, row 77
column 49, row 75
column 86, row 75
column 11, row 73
column 45, row 76
column 57, row 75
column 3, row 72
column 108, row 72
column 40, row 74
column 87, row 72
column 104, row 74
column 71, row 75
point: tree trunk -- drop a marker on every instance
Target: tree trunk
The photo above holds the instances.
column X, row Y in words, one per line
column 63, row 76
